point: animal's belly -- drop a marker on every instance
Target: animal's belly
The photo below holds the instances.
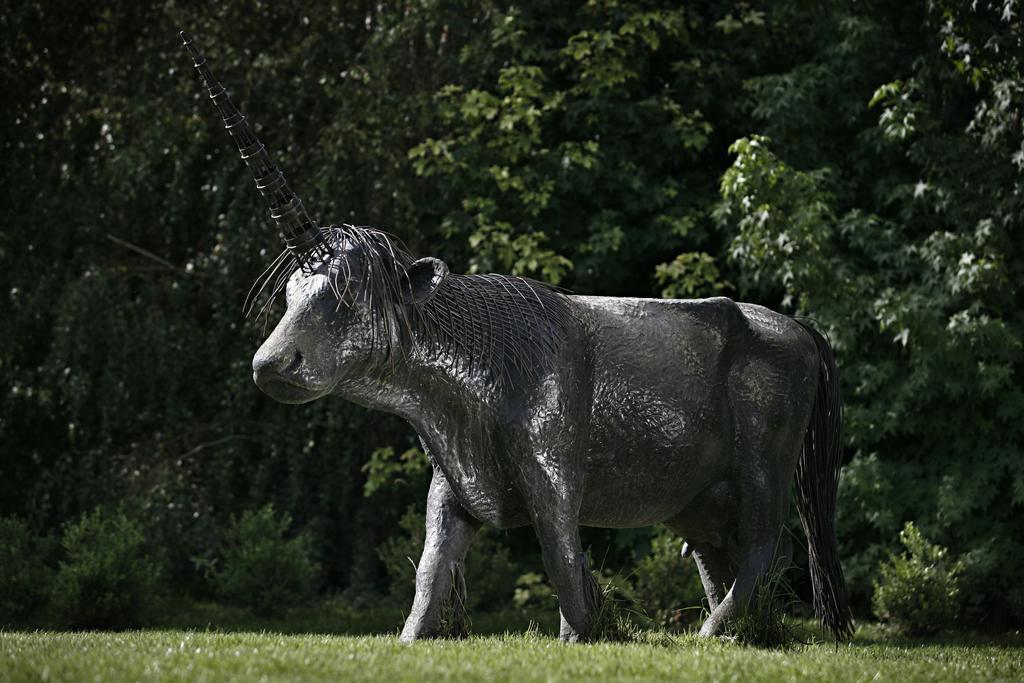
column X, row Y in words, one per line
column 640, row 489
column 649, row 456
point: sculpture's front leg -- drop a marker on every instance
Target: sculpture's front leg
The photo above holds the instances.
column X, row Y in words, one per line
column 552, row 493
column 439, row 582
column 579, row 597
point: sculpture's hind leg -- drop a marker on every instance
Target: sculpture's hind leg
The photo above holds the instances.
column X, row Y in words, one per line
column 754, row 566
column 711, row 560
column 771, row 400
column 764, row 493
column 713, row 566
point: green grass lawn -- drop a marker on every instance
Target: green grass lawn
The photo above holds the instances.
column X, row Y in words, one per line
column 192, row 655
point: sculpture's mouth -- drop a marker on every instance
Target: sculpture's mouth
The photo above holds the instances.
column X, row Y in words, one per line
column 287, row 391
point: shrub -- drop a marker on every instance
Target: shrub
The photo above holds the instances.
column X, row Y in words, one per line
column 24, row 577
column 918, row 589
column 261, row 568
column 533, row 591
column 666, row 584
column 400, row 553
column 108, row 575
column 490, row 573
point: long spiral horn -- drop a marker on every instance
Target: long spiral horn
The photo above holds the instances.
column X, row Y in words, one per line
column 301, row 233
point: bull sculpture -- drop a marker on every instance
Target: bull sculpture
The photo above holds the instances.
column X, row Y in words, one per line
column 540, row 408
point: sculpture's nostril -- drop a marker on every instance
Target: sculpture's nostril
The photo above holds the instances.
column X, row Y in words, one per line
column 295, row 363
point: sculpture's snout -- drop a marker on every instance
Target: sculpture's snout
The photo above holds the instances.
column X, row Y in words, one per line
column 271, row 366
column 282, row 377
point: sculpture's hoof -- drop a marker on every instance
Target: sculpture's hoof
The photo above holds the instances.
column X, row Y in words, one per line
column 411, row 635
column 709, row 629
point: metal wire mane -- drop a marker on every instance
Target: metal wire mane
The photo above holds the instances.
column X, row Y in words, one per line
column 508, row 328
column 504, row 327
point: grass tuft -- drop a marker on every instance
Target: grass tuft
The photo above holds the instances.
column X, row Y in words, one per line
column 455, row 622
column 620, row 618
column 766, row 622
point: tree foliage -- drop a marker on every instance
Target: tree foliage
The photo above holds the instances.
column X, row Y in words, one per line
column 902, row 247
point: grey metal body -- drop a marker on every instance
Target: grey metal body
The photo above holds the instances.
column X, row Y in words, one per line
column 690, row 413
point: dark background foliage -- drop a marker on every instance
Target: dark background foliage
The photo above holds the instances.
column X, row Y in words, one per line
column 860, row 163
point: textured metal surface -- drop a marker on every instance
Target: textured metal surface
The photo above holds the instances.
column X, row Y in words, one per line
column 544, row 409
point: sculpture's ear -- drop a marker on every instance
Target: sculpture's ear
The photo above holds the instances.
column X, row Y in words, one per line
column 425, row 277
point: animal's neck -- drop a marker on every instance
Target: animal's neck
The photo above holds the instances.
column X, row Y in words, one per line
column 426, row 393
column 480, row 339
